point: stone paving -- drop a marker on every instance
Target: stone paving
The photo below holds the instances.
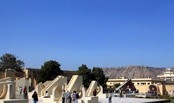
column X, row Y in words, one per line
column 123, row 100
column 31, row 101
column 130, row 100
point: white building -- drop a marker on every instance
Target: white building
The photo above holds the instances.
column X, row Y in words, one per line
column 168, row 75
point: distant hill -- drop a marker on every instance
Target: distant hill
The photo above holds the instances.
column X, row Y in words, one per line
column 133, row 72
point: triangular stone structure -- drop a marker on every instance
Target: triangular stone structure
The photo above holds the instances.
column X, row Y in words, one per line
column 127, row 84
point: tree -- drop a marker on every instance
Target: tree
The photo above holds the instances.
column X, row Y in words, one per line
column 117, row 85
column 9, row 61
column 86, row 73
column 49, row 71
column 99, row 76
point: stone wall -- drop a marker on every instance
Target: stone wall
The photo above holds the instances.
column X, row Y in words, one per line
column 11, row 74
column 22, row 82
column 169, row 88
column 142, row 88
column 2, row 75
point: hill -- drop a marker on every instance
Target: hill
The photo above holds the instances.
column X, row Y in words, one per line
column 133, row 72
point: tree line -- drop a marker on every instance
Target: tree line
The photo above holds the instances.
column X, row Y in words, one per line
column 51, row 69
column 10, row 61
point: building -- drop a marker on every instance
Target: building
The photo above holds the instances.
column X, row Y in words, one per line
column 163, row 84
column 28, row 76
column 136, row 82
column 141, row 84
column 168, row 75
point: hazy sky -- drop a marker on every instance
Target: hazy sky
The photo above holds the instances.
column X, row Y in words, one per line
column 104, row 33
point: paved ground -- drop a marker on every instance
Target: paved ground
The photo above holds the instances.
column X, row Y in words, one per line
column 40, row 101
column 30, row 101
column 122, row 100
column 130, row 100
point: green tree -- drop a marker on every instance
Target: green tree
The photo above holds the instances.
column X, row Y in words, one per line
column 10, row 61
column 99, row 76
column 49, row 71
column 116, row 85
column 86, row 73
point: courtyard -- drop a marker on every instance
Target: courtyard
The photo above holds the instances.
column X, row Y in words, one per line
column 126, row 100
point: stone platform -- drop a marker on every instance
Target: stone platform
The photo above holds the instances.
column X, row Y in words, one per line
column 14, row 101
column 133, row 100
column 125, row 100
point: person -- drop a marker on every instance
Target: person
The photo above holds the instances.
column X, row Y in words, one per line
column 47, row 95
column 25, row 92
column 20, row 90
column 68, row 97
column 29, row 88
column 130, row 91
column 74, row 97
column 35, row 97
column 77, row 95
column 110, row 97
column 121, row 93
column 63, row 96
column 94, row 92
column 24, row 89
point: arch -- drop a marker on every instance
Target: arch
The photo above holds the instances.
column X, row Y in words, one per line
column 99, row 90
column 3, row 84
column 153, row 88
column 57, row 93
column 64, row 85
column 4, row 91
column 82, row 92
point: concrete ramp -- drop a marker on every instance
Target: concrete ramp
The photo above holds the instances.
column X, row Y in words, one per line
column 91, row 88
column 39, row 87
column 75, row 83
column 55, row 90
column 46, row 83
column 59, row 80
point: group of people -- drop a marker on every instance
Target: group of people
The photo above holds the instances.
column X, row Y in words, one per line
column 68, row 97
column 24, row 92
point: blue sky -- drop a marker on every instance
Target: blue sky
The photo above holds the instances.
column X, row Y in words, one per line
column 104, row 33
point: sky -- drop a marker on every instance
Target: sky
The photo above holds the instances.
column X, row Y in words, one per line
column 98, row 33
